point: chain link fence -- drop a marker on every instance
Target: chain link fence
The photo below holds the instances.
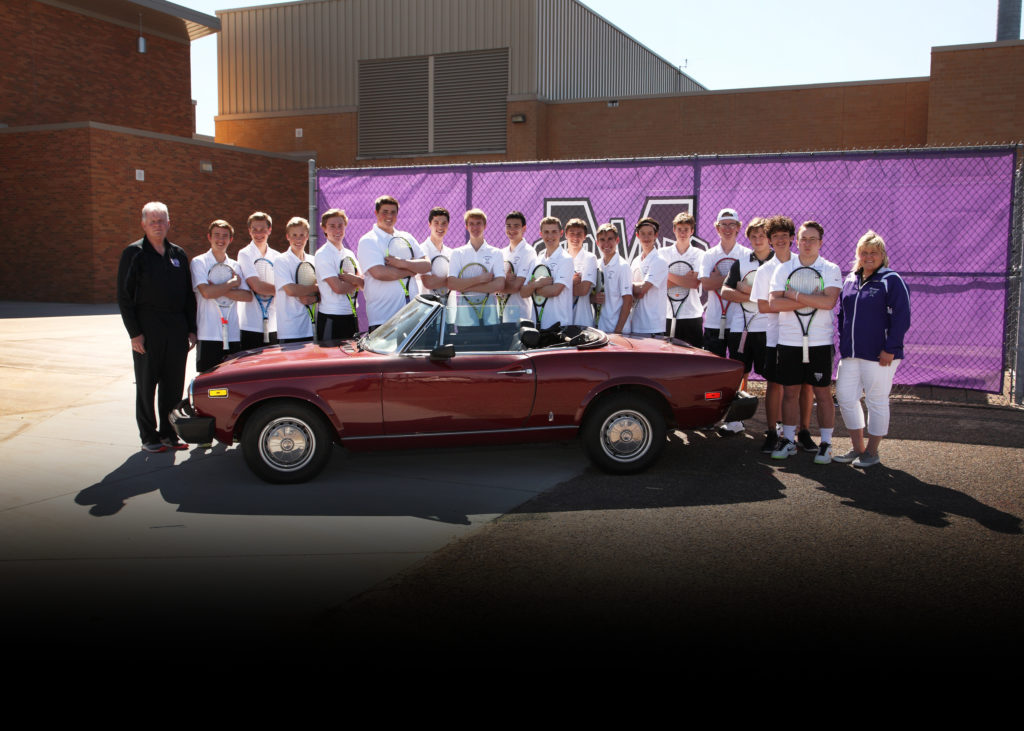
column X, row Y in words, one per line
column 951, row 219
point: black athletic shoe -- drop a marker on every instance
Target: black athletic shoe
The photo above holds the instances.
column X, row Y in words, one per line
column 803, row 438
column 771, row 440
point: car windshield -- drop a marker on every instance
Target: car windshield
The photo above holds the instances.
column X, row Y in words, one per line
column 392, row 335
column 423, row 325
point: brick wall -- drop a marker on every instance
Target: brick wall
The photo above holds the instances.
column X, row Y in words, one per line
column 976, row 94
column 57, row 65
column 835, row 117
column 72, row 194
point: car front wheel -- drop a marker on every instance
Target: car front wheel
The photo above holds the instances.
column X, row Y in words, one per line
column 625, row 433
column 286, row 442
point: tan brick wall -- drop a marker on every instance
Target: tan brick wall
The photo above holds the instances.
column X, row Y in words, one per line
column 976, row 95
column 73, row 194
column 60, row 66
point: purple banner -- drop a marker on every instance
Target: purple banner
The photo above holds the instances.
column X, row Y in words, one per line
column 945, row 216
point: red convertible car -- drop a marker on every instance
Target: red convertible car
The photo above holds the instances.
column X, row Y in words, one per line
column 421, row 380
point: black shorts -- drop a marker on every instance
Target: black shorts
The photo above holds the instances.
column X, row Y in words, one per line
column 251, row 340
column 770, row 365
column 335, row 327
column 753, row 350
column 713, row 344
column 211, row 352
column 690, row 330
column 792, row 371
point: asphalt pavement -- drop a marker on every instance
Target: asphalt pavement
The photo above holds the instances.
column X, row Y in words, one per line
column 718, row 556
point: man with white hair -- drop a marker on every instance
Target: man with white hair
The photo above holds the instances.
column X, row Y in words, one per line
column 158, row 307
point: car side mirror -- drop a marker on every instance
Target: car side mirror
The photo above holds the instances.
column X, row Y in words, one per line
column 443, row 352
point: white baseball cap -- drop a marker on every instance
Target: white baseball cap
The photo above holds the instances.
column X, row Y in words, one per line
column 727, row 214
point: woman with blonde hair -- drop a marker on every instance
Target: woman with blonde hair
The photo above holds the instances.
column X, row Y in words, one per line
column 874, row 315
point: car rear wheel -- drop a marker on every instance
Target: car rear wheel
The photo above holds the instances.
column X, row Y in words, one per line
column 286, row 442
column 624, row 433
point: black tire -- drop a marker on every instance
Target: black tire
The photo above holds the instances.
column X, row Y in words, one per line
column 287, row 442
column 624, row 433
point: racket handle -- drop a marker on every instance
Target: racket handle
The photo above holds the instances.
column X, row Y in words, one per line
column 597, row 314
column 224, row 332
column 721, row 327
column 743, row 342
column 807, row 353
column 266, row 330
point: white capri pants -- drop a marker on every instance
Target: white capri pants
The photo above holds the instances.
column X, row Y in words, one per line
column 858, row 376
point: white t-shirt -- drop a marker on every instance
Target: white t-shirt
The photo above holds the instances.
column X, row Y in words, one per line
column 208, row 314
column 820, row 331
column 586, row 264
column 524, row 259
column 758, row 320
column 692, row 306
column 492, row 260
column 649, row 313
column 713, row 312
column 250, row 314
column 292, row 316
column 431, row 252
column 761, row 291
column 618, row 282
column 328, row 263
column 557, row 309
column 383, row 299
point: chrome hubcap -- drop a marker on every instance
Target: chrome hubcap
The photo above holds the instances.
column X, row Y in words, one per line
column 626, row 435
column 287, row 444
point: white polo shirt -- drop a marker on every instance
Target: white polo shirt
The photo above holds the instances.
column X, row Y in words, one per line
column 649, row 313
column 821, row 329
column 692, row 306
column 383, row 299
column 292, row 316
column 250, row 314
column 618, row 283
column 207, row 312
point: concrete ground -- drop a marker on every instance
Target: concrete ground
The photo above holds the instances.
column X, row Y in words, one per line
column 102, row 544
column 716, row 557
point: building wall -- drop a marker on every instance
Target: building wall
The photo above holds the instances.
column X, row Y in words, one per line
column 57, row 66
column 977, row 94
column 71, row 193
column 832, row 117
column 304, row 57
column 828, row 117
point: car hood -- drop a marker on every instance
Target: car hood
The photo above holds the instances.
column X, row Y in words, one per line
column 291, row 356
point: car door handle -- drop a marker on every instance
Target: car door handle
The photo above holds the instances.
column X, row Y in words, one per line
column 524, row 372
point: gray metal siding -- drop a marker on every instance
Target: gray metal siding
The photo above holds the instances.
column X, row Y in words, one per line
column 305, row 56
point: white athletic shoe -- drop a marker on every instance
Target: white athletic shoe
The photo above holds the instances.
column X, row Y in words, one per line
column 731, row 427
column 824, row 455
column 785, row 449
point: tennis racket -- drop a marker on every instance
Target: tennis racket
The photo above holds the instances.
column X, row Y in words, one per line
column 439, row 268
column 348, row 266
column 748, row 308
column 476, row 299
column 677, row 295
column 221, row 273
column 722, row 266
column 265, row 273
column 400, row 248
column 510, row 272
column 805, row 280
column 305, row 275
column 598, row 289
column 539, row 272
